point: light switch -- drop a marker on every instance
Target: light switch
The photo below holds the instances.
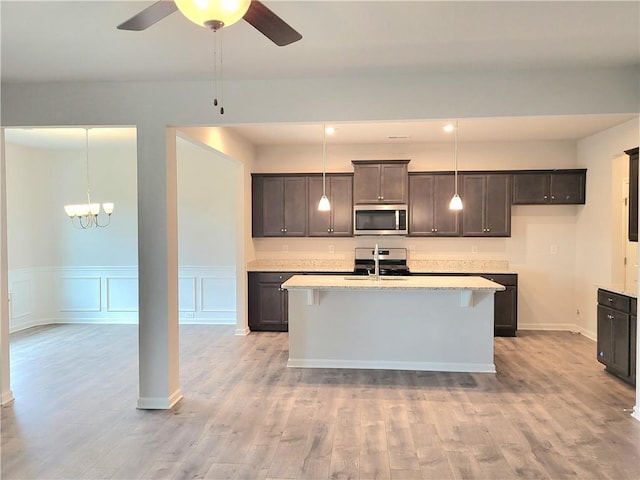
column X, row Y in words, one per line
column 474, row 249
column 285, row 247
column 554, row 249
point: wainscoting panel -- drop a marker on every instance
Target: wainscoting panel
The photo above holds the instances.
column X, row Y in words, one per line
column 122, row 294
column 80, row 294
column 187, row 294
column 41, row 296
column 20, row 298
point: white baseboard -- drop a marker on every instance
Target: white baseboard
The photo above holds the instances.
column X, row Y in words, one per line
column 243, row 332
column 159, row 403
column 381, row 365
column 559, row 327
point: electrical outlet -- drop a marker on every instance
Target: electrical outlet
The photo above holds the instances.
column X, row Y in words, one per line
column 285, row 247
column 188, row 314
column 474, row 249
column 554, row 249
column 412, row 248
column 332, row 249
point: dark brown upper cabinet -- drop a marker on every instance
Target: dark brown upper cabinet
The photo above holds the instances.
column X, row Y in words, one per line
column 338, row 222
column 633, row 194
column 279, row 205
column 376, row 181
column 549, row 187
column 486, row 200
column 429, row 214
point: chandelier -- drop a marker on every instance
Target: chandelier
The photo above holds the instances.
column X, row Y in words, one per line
column 87, row 215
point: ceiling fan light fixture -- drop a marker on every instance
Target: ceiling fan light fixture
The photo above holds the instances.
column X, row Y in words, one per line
column 214, row 14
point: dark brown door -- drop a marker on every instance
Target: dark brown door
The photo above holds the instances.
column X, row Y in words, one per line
column 393, row 183
column 567, row 187
column 421, row 205
column 295, row 206
column 531, row 188
column 366, row 183
column 446, row 222
column 341, row 206
column 498, row 206
column 273, row 206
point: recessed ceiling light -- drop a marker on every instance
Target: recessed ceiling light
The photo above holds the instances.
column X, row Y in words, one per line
column 448, row 128
column 330, row 130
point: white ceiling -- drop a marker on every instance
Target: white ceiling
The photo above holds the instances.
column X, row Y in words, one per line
column 77, row 40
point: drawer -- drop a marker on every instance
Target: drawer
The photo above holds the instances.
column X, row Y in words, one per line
column 614, row 300
column 508, row 280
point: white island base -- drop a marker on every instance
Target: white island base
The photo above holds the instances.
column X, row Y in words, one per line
column 411, row 323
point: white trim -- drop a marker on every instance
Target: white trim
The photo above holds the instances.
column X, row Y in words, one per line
column 194, row 286
column 6, row 397
column 388, row 365
column 108, row 292
column 243, row 332
column 159, row 403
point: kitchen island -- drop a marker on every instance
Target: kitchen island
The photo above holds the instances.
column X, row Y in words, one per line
column 430, row 323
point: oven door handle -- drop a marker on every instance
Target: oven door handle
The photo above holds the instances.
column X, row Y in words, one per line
column 397, row 219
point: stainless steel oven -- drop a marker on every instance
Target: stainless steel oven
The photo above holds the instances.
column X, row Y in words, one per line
column 380, row 220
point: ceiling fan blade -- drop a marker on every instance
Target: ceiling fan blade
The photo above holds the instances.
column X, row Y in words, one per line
column 270, row 24
column 150, row 15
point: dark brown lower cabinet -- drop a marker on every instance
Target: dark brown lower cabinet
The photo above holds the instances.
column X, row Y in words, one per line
column 617, row 325
column 268, row 306
column 505, row 309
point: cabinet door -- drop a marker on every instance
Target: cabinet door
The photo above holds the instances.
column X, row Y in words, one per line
column 295, row 206
column 568, row 187
column 273, row 206
column 319, row 222
column 339, row 220
column 498, row 206
column 531, row 188
column 393, row 183
column 342, row 206
column 633, row 337
column 366, row 183
column 604, row 335
column 421, row 205
column 620, row 344
column 446, row 222
column 505, row 312
column 268, row 302
column 473, row 201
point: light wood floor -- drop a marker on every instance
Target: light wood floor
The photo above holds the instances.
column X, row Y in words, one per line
column 550, row 412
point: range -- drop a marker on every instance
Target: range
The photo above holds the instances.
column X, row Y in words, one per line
column 393, row 261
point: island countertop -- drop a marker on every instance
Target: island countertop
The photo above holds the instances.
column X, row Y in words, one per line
column 354, row 282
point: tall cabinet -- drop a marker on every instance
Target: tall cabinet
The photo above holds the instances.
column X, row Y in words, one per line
column 633, row 194
column 338, row 222
column 279, row 205
column 487, row 205
column 429, row 213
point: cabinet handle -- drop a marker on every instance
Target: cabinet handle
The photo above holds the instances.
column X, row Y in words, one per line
column 610, row 299
column 553, row 197
column 610, row 317
column 285, row 230
column 332, row 230
column 545, row 197
column 328, row 230
column 435, row 229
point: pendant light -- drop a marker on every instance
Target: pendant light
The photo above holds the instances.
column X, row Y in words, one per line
column 324, row 205
column 456, row 201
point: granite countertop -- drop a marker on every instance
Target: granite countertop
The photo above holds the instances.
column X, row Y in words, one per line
column 630, row 290
column 359, row 282
column 415, row 266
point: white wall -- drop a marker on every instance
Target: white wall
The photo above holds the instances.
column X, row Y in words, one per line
column 61, row 274
column 597, row 228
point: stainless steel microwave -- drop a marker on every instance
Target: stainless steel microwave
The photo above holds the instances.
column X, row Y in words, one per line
column 380, row 220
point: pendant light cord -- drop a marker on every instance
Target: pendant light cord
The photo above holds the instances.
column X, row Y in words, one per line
column 455, row 158
column 87, row 163
column 324, row 157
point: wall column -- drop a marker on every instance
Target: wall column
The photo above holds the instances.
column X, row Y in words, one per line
column 158, row 267
column 6, row 396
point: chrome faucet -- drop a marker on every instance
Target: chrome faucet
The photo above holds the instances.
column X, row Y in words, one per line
column 376, row 263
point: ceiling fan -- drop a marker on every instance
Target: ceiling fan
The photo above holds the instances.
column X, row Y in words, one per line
column 216, row 14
